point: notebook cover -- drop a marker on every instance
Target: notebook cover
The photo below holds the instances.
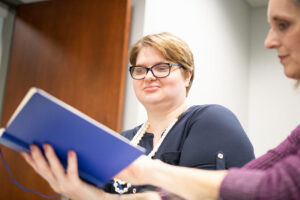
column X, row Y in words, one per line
column 41, row 118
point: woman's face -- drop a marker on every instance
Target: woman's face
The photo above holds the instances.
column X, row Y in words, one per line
column 284, row 34
column 150, row 91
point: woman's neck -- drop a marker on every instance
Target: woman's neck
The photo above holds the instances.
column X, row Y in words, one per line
column 160, row 119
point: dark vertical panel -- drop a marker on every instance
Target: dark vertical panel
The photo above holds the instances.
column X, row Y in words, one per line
column 75, row 50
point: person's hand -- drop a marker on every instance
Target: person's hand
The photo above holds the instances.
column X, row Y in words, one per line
column 140, row 171
column 65, row 182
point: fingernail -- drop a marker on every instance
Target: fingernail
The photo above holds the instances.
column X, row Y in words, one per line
column 71, row 153
column 32, row 148
column 46, row 147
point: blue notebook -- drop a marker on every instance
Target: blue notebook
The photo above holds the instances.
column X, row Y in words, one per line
column 41, row 118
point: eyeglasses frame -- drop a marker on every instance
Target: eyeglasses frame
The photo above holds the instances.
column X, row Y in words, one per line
column 150, row 69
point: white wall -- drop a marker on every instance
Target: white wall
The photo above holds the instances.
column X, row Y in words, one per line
column 274, row 108
column 233, row 68
column 218, row 33
column 131, row 114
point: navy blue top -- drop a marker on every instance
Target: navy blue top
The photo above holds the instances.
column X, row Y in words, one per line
column 205, row 136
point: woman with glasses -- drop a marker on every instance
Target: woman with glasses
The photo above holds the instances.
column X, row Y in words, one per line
column 273, row 176
column 200, row 136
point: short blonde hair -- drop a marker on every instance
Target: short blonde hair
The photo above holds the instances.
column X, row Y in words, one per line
column 173, row 48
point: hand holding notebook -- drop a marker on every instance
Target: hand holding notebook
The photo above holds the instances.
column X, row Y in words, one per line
column 43, row 119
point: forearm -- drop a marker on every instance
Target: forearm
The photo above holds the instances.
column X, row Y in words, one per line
column 151, row 195
column 186, row 182
column 141, row 196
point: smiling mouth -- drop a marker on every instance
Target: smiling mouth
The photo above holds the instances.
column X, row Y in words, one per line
column 282, row 58
column 151, row 88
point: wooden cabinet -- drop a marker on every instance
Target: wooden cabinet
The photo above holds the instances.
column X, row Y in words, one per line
column 77, row 51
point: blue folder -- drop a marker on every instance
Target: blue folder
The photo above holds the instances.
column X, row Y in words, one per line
column 41, row 118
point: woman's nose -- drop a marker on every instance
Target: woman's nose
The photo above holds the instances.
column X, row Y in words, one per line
column 150, row 75
column 272, row 40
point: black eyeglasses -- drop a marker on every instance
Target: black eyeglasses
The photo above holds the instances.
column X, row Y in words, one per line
column 159, row 70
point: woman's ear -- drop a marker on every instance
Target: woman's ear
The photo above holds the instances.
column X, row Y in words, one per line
column 188, row 78
column 187, row 83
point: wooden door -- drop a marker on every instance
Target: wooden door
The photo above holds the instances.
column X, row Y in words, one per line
column 75, row 50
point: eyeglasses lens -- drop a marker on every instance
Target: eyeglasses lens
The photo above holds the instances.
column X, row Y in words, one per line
column 159, row 71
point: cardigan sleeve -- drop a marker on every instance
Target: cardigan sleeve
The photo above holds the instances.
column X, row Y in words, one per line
column 275, row 175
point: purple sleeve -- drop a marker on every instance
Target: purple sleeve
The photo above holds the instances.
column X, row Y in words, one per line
column 240, row 184
column 275, row 175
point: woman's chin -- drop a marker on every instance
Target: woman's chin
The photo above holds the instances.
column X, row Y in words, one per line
column 293, row 74
column 151, row 102
column 292, row 70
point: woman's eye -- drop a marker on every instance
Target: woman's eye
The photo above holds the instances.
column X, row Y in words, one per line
column 282, row 26
column 162, row 68
column 139, row 70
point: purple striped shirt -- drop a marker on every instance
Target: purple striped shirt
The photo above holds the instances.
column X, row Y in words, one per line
column 275, row 175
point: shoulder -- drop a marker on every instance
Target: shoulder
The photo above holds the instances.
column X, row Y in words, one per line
column 213, row 129
column 213, row 120
column 295, row 136
column 208, row 109
column 210, row 112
